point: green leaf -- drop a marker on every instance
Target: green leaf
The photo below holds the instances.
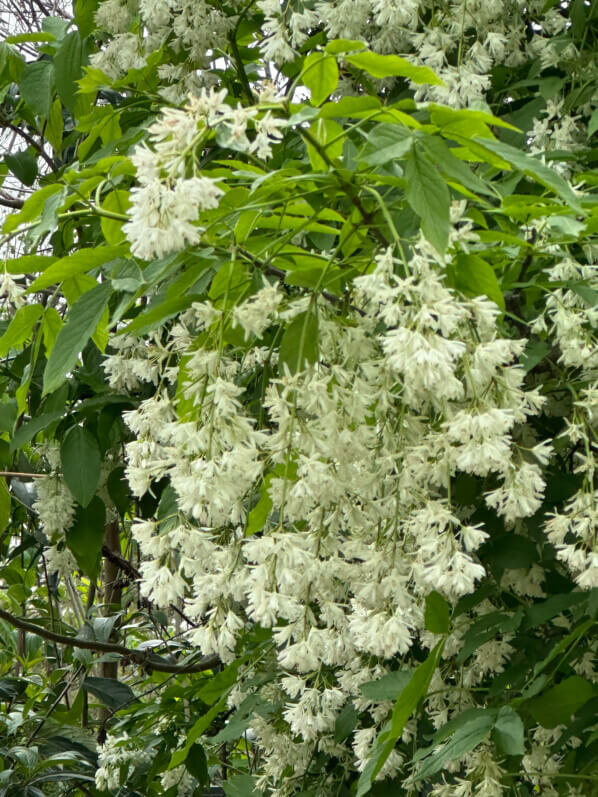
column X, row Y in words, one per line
column 24, row 38
column 23, row 165
column 429, row 197
column 49, row 218
column 68, row 63
column 86, row 536
column 389, row 687
column 4, row 505
column 118, row 490
column 474, row 276
column 463, row 741
column 509, row 732
column 111, row 692
column 218, row 684
column 467, row 119
column 320, row 76
column 578, row 18
column 201, row 725
column 337, row 46
column 381, row 66
column 589, row 295
column 511, row 551
column 534, row 168
column 256, row 519
column 57, row 26
column 404, row 707
column 557, row 705
column 437, row 616
column 80, row 262
column 535, row 352
column 486, row 628
column 299, row 344
column 36, row 87
column 85, row 15
column 541, row 613
column 81, row 463
column 55, row 126
column 153, row 316
column 329, row 135
column 117, row 202
column 102, row 122
column 197, row 764
column 20, row 329
column 28, row 263
column 241, row 786
column 31, row 210
column 350, row 107
column 81, row 322
column 8, row 414
column 126, row 276
column 345, row 722
column 593, row 123
column 386, row 143
column 29, row 430
column 451, row 167
column 570, row 641
column 51, row 326
column 10, row 688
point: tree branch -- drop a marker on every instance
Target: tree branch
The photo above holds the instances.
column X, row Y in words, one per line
column 144, row 659
column 32, row 142
column 123, row 564
column 17, row 204
column 134, row 574
column 45, row 11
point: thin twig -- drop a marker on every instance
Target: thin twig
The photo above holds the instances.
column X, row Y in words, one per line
column 23, row 475
column 61, row 694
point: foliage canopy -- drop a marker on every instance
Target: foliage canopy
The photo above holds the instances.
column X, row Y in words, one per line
column 299, row 400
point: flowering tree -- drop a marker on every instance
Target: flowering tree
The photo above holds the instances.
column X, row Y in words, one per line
column 299, row 410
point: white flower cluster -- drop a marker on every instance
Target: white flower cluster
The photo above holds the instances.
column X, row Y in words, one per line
column 571, row 318
column 179, row 777
column 353, row 465
column 117, row 759
column 166, row 203
column 11, row 292
column 556, row 130
column 54, row 504
column 461, row 41
column 194, row 26
column 134, row 362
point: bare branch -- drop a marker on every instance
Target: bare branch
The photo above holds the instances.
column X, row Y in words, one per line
column 31, row 141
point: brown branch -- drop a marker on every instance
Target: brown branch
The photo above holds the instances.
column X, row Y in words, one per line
column 45, row 11
column 31, row 141
column 134, row 574
column 17, row 204
column 123, row 564
column 144, row 659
